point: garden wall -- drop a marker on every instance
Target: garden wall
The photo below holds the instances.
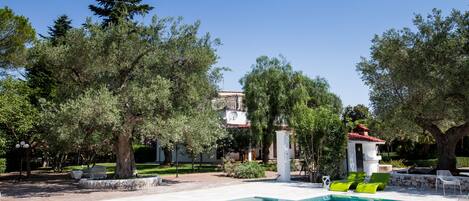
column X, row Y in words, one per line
column 128, row 184
column 421, row 181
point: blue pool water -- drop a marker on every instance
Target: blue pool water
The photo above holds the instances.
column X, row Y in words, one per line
column 322, row 198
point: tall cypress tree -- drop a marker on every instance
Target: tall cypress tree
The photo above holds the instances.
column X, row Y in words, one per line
column 112, row 10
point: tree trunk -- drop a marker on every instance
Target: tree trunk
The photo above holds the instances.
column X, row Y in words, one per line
column 446, row 155
column 168, row 156
column 125, row 161
column 445, row 141
column 193, row 159
column 266, row 143
column 200, row 162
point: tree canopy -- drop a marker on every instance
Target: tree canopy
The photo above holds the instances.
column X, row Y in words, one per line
column 124, row 64
column 15, row 33
column 272, row 89
column 61, row 25
column 421, row 76
column 113, row 10
column 266, row 90
column 322, row 138
column 354, row 115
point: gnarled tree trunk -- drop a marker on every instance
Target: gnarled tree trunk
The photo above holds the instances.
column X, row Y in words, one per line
column 446, row 154
column 446, row 142
column 125, row 161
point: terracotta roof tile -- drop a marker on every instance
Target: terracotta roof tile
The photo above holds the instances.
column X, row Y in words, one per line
column 356, row 136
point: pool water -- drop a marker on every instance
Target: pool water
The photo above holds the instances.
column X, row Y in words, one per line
column 322, row 198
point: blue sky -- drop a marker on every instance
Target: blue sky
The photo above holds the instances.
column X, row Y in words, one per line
column 323, row 39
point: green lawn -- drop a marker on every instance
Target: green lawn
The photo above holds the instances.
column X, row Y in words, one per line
column 144, row 169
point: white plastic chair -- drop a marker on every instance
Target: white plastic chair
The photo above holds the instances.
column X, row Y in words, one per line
column 447, row 178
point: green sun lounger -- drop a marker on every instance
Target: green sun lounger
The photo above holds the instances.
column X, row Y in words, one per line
column 378, row 181
column 352, row 180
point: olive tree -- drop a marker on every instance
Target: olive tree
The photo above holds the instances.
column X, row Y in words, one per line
column 126, row 60
column 421, row 76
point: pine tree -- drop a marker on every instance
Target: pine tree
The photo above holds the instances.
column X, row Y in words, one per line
column 39, row 75
column 61, row 25
column 112, row 10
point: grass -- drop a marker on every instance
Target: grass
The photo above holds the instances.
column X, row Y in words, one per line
column 144, row 169
column 461, row 162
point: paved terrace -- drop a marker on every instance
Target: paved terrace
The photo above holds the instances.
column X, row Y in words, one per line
column 291, row 191
column 203, row 186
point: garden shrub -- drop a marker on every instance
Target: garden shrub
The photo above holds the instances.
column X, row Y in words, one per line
column 3, row 165
column 249, row 170
column 144, row 153
column 229, row 166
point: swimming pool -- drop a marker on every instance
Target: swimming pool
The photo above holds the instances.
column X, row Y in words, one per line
column 322, row 198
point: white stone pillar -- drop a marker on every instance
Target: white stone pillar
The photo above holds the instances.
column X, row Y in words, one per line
column 283, row 155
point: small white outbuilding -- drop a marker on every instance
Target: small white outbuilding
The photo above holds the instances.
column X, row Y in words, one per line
column 362, row 151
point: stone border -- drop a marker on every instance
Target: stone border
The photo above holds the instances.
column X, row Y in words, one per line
column 423, row 181
column 128, row 184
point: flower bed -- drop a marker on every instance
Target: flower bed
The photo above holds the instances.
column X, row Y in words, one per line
column 128, row 184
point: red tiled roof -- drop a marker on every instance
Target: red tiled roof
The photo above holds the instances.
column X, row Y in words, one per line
column 356, row 136
column 238, row 126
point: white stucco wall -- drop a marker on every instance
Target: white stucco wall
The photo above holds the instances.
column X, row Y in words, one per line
column 235, row 117
column 370, row 156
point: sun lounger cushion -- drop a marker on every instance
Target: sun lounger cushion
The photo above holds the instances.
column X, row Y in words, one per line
column 352, row 180
column 341, row 186
column 367, row 187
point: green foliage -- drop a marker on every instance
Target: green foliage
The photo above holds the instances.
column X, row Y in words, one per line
column 113, row 10
column 266, row 95
column 39, row 75
column 60, row 28
column 17, row 115
column 144, row 153
column 354, row 115
column 249, row 170
column 3, row 165
column 411, row 150
column 238, row 140
column 82, row 125
column 272, row 89
column 205, row 129
column 322, row 138
column 135, row 72
column 421, row 77
column 15, row 33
